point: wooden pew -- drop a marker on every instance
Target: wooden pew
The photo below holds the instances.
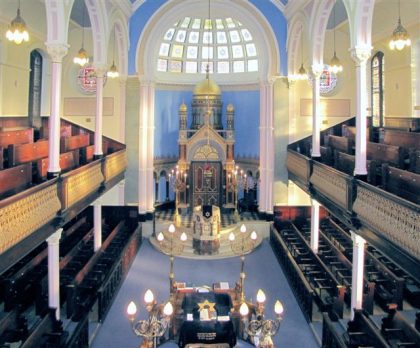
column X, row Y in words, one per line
column 401, row 183
column 342, row 144
column 74, row 142
column 68, row 161
column 362, row 332
column 16, row 137
column 65, row 131
column 396, row 328
column 350, row 132
column 345, row 163
column 18, row 154
column 15, row 179
column 391, row 154
column 414, row 156
column 408, row 140
column 86, row 154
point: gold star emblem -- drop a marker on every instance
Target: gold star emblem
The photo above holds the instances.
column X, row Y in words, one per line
column 207, row 305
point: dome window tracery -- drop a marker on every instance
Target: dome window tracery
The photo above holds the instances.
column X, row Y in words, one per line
column 191, row 43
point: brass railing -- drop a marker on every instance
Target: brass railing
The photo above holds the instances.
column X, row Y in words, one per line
column 24, row 213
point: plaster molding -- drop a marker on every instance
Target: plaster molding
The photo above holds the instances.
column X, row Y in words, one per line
column 57, row 51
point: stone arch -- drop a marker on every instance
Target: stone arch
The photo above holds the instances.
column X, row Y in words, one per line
column 172, row 11
column 361, row 28
column 58, row 17
column 118, row 20
column 297, row 28
column 318, row 26
column 100, row 29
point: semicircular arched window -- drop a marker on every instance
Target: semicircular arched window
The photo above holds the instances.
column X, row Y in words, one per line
column 222, row 43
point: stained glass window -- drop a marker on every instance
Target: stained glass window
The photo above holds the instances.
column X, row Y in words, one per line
column 327, row 81
column 377, row 89
column 191, row 43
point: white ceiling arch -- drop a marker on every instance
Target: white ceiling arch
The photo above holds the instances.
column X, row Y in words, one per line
column 296, row 29
column 244, row 11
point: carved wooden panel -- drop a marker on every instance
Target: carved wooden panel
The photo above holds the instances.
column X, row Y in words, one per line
column 298, row 165
column 115, row 164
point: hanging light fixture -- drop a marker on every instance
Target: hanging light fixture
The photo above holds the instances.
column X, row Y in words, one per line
column 82, row 57
column 335, row 64
column 301, row 75
column 113, row 71
column 400, row 37
column 17, row 31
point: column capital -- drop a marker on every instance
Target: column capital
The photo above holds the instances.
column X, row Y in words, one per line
column 360, row 54
column 57, row 51
column 316, row 70
column 54, row 239
column 357, row 240
column 100, row 69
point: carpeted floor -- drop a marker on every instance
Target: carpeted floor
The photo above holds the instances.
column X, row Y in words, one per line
column 150, row 270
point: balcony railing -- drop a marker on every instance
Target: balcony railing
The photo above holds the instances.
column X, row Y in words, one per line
column 385, row 214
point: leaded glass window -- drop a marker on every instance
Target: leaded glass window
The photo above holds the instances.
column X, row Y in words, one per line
column 377, row 89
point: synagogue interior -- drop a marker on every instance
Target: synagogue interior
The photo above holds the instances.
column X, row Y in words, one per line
column 209, row 173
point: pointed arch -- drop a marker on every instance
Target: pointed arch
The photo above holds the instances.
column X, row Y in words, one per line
column 100, row 30
column 58, row 17
column 297, row 28
column 118, row 20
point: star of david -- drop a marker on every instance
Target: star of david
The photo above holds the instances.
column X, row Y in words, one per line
column 207, row 305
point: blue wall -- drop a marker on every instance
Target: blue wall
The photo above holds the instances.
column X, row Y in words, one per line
column 246, row 105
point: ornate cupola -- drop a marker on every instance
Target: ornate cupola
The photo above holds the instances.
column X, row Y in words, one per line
column 207, row 97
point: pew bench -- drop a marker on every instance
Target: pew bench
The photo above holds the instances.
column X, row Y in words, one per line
column 394, row 155
column 408, row 140
column 342, row 144
column 401, row 183
column 74, row 142
column 21, row 136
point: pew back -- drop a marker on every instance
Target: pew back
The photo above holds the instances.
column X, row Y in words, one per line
column 15, row 179
column 409, row 140
column 339, row 143
column 68, row 161
column 22, row 136
column 401, row 183
column 24, row 153
column 74, row 142
column 386, row 153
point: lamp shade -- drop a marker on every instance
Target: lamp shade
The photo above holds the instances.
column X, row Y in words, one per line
column 400, row 38
column 81, row 58
column 131, row 310
column 231, row 236
column 149, row 297
column 254, row 236
column 243, row 228
column 261, row 296
column 17, row 31
column 335, row 65
column 171, row 228
column 183, row 237
column 278, row 308
column 168, row 309
column 113, row 71
column 160, row 237
column 243, row 309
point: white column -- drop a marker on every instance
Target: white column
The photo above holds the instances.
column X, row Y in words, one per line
column 100, row 72
column 360, row 55
column 292, row 111
column 123, row 84
column 97, row 226
column 54, row 272
column 357, row 272
column 121, row 193
column 57, row 52
column 316, row 111
column 146, row 146
column 315, row 225
column 265, row 201
column 150, row 149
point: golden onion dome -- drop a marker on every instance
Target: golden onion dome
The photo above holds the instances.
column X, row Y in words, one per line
column 230, row 108
column 183, row 107
column 207, row 87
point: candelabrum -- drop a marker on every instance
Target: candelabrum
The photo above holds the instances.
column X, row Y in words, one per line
column 243, row 247
column 178, row 182
column 256, row 326
column 171, row 249
column 155, row 325
column 237, row 181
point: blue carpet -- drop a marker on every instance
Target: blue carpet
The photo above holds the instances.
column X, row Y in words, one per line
column 150, row 270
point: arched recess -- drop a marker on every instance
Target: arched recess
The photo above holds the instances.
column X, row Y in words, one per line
column 118, row 20
column 100, row 29
column 297, row 28
column 172, row 11
column 318, row 26
column 58, row 17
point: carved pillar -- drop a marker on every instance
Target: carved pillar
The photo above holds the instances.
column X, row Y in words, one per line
column 100, row 73
column 146, row 145
column 315, row 225
column 54, row 272
column 123, row 84
column 265, row 201
column 57, row 52
column 97, row 226
column 360, row 55
column 316, row 110
column 357, row 272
